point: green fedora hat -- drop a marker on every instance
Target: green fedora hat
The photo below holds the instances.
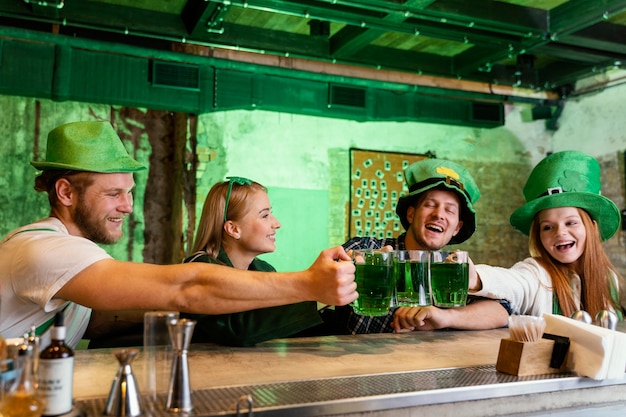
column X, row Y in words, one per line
column 567, row 179
column 428, row 174
column 87, row 146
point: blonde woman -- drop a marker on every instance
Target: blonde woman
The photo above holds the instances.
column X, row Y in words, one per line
column 236, row 226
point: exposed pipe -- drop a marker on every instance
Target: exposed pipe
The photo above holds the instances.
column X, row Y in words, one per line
column 599, row 86
column 505, row 93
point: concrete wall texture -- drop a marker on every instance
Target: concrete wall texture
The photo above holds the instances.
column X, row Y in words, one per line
column 304, row 162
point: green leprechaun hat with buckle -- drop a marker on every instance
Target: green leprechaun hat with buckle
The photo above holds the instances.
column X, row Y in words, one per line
column 428, row 174
column 92, row 146
column 567, row 179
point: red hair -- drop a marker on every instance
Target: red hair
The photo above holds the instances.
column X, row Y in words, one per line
column 594, row 271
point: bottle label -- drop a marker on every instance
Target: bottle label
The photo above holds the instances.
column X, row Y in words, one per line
column 56, row 384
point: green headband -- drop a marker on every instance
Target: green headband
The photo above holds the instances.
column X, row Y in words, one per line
column 231, row 181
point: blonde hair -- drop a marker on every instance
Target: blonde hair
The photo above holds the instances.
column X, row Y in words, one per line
column 595, row 269
column 211, row 226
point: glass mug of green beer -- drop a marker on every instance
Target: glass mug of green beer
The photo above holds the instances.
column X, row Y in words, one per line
column 449, row 278
column 374, row 281
column 412, row 278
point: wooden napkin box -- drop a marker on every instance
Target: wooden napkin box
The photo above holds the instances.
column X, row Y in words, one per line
column 531, row 358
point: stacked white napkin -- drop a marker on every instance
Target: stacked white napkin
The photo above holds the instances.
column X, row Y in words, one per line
column 594, row 351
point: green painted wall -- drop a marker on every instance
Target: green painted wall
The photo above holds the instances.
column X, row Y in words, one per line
column 303, row 215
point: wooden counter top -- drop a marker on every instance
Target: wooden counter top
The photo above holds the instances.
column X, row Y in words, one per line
column 306, row 358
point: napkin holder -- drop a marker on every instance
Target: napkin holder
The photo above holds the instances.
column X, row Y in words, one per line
column 545, row 356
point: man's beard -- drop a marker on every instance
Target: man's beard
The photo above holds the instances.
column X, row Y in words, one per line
column 90, row 227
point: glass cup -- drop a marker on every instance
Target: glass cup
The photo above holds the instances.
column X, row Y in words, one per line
column 8, row 366
column 449, row 278
column 412, row 276
column 374, row 281
column 157, row 349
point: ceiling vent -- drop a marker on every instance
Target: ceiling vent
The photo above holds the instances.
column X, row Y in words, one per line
column 174, row 75
column 343, row 96
column 488, row 113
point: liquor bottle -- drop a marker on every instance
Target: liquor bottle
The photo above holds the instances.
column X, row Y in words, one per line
column 23, row 400
column 56, row 371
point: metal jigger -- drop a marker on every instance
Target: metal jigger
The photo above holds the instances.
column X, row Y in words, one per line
column 179, row 391
column 607, row 319
column 124, row 398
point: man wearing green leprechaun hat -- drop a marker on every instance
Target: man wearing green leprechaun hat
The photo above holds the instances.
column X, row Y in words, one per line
column 438, row 211
column 56, row 264
column 566, row 218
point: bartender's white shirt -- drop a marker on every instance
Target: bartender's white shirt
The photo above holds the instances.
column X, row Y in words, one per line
column 36, row 261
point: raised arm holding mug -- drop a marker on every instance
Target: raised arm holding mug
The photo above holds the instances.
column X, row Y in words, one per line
column 56, row 264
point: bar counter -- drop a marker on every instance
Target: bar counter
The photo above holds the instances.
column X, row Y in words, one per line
column 411, row 374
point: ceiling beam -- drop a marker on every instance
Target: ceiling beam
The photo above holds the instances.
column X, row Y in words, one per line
column 201, row 16
column 603, row 36
column 574, row 16
column 492, row 16
column 564, row 22
column 351, row 39
column 579, row 54
column 89, row 14
column 269, row 41
column 412, row 22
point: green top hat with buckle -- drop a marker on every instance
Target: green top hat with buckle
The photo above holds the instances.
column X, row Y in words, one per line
column 87, row 146
column 429, row 174
column 567, row 179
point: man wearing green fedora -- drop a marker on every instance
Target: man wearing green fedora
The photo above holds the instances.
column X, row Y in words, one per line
column 566, row 218
column 438, row 211
column 56, row 264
